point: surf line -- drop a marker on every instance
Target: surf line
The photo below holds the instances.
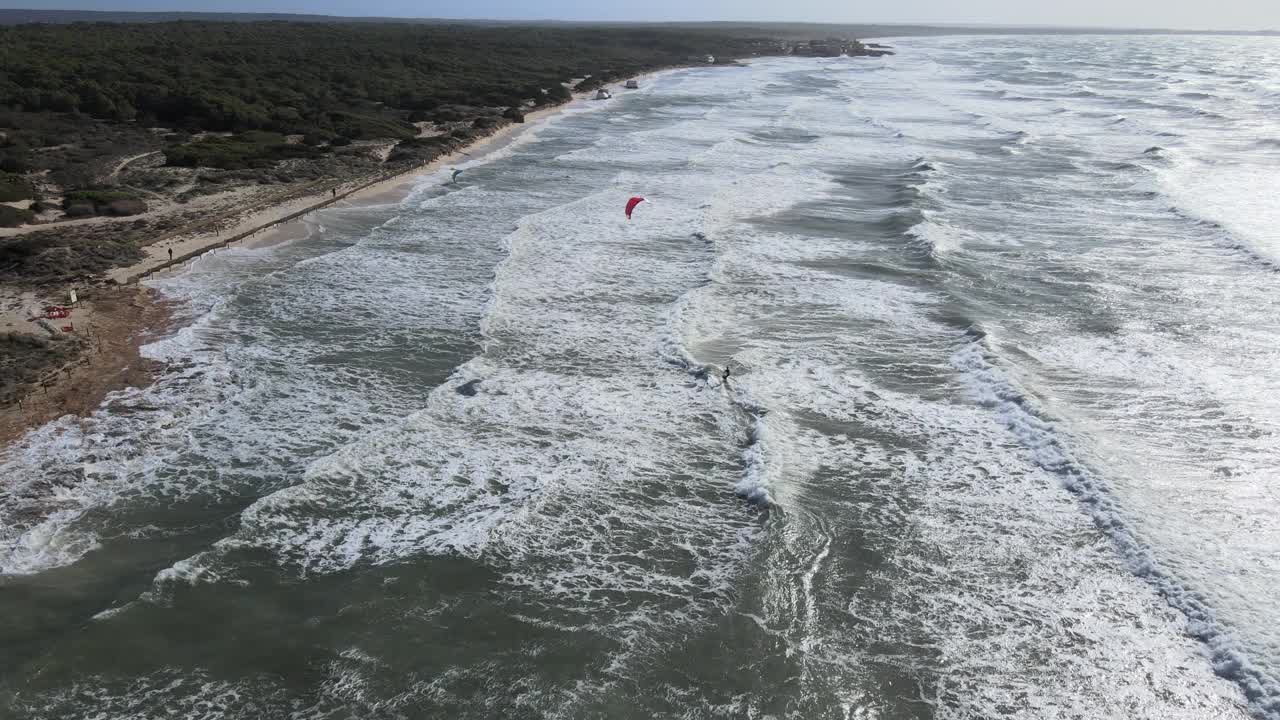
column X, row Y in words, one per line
column 752, row 486
column 1026, row 422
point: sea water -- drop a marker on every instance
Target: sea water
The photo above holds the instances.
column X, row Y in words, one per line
column 998, row 440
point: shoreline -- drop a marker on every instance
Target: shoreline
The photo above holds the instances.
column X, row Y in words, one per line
column 122, row 315
column 117, row 315
column 268, row 219
column 109, row 359
column 280, row 221
column 394, row 189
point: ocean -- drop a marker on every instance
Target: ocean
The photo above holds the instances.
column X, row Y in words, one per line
column 999, row 437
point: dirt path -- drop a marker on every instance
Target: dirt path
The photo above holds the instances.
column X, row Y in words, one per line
column 115, row 318
column 14, row 231
column 193, row 242
column 120, row 166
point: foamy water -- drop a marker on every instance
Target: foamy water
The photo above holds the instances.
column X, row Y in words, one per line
column 1001, row 325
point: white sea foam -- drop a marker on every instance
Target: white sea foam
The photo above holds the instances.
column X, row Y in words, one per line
column 1236, row 193
column 516, row 393
column 1045, row 445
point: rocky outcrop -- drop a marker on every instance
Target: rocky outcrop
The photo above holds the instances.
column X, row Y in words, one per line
column 835, row 47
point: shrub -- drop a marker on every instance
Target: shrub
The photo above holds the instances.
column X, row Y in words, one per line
column 362, row 127
column 96, row 197
column 13, row 217
column 14, row 188
column 239, row 152
column 86, row 203
column 292, row 77
column 14, row 162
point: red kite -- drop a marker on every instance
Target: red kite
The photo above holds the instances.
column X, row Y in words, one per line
column 631, row 205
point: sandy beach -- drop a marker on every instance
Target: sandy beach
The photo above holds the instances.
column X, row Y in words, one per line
column 274, row 220
column 115, row 318
column 283, row 222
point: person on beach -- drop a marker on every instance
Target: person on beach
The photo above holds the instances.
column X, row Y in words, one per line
column 170, row 254
column 334, row 191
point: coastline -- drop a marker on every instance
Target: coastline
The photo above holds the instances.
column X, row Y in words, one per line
column 278, row 223
column 109, row 359
column 385, row 191
column 121, row 315
column 392, row 188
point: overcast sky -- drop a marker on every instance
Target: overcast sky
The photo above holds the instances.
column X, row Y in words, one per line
column 1191, row 14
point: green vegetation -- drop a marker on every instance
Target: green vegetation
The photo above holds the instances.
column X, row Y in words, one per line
column 53, row 255
column 353, row 80
column 97, row 197
column 360, row 127
column 107, row 114
column 85, row 203
column 13, row 217
column 74, row 149
column 14, row 188
column 247, row 150
column 14, row 159
column 76, row 99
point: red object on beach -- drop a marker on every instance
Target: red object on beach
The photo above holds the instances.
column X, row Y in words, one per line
column 631, row 205
column 56, row 313
column 69, row 328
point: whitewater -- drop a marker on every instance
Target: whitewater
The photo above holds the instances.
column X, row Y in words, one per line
column 999, row 438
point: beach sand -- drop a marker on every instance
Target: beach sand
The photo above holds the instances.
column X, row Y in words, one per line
column 278, row 223
column 120, row 317
column 112, row 325
column 113, row 321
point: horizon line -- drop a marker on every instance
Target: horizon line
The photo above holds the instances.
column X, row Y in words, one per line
column 516, row 21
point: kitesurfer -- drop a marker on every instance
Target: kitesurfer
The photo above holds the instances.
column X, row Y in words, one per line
column 725, row 376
